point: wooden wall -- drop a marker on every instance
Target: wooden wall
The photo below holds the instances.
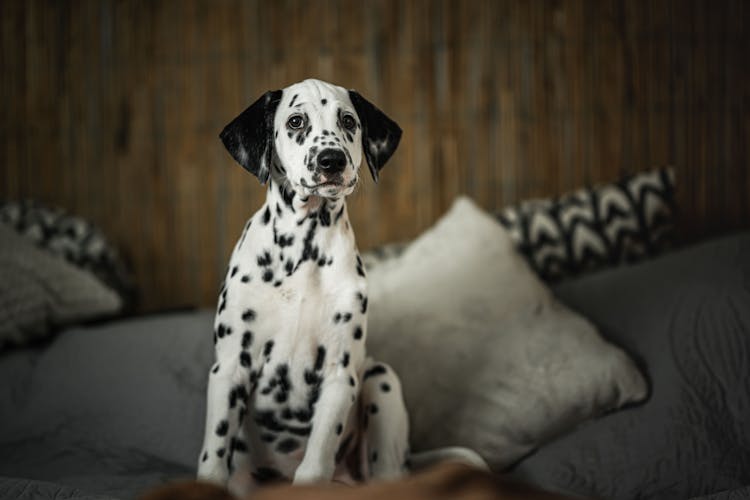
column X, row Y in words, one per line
column 111, row 109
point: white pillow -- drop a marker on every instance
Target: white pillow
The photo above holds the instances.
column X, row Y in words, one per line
column 487, row 357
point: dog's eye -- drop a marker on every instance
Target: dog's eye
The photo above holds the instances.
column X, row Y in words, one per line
column 348, row 122
column 295, row 122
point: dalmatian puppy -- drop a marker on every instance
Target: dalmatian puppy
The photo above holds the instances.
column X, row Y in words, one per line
column 292, row 395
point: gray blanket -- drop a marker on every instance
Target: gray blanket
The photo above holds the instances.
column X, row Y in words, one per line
column 108, row 411
column 686, row 318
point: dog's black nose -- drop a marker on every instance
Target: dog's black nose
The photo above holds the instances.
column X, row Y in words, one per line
column 332, row 161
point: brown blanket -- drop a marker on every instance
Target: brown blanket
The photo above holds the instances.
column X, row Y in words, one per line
column 444, row 482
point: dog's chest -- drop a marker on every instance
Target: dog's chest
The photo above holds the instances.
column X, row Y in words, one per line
column 296, row 294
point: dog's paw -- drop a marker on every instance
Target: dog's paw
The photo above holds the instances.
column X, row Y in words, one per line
column 311, row 472
column 213, row 472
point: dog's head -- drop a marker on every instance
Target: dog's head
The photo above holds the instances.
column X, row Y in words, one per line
column 314, row 135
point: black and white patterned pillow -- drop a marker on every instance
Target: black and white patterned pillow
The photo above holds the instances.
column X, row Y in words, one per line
column 74, row 239
column 595, row 227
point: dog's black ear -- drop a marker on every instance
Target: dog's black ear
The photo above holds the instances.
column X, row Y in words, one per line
column 249, row 137
column 380, row 134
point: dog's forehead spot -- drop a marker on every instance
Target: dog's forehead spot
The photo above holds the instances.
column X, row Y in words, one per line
column 317, row 94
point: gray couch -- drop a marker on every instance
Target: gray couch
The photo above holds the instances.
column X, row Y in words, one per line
column 109, row 410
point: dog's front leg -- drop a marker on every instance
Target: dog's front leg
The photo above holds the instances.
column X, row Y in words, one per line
column 228, row 390
column 331, row 413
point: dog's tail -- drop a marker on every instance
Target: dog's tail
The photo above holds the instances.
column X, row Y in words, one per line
column 424, row 459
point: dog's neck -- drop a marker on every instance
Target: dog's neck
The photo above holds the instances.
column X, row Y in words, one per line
column 288, row 210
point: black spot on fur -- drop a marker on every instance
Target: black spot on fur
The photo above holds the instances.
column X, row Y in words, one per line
column 234, row 271
column 267, row 419
column 222, row 299
column 320, row 358
column 222, row 428
column 238, row 445
column 266, row 216
column 248, row 315
column 267, row 275
column 339, row 214
column 339, row 429
column 311, row 378
column 265, row 259
column 220, row 452
column 323, row 101
column 357, row 333
column 351, row 381
column 285, row 240
column 346, row 317
column 362, row 302
column 345, row 360
column 287, row 445
column 268, row 438
column 299, row 431
column 241, row 393
column 245, row 359
column 375, row 370
column 385, row 387
column 281, row 397
column 289, row 267
column 204, row 457
column 314, row 395
column 268, row 348
column 373, row 408
column 247, row 339
column 245, row 278
column 221, row 330
column 288, row 196
column 360, row 267
column 309, row 251
column 303, row 415
column 277, row 283
column 215, row 368
column 337, row 317
column 325, row 216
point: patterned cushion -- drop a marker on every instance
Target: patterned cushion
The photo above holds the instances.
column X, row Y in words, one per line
column 71, row 238
column 587, row 229
column 595, row 227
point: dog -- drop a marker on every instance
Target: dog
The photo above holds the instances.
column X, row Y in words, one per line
column 292, row 395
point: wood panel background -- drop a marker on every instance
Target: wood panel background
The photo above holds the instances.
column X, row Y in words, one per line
column 111, row 109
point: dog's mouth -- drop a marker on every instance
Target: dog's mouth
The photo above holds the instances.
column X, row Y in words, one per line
column 333, row 183
column 330, row 187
